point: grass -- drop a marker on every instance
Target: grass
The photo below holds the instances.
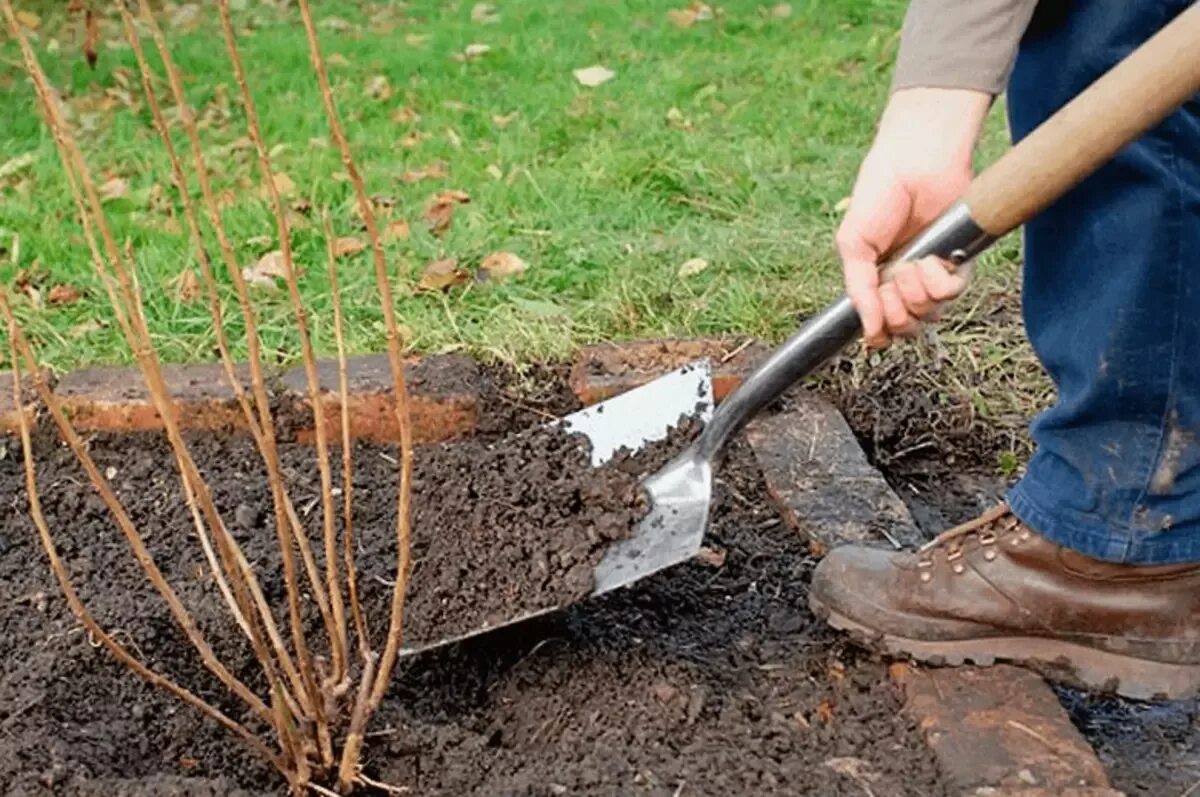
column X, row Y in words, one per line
column 732, row 141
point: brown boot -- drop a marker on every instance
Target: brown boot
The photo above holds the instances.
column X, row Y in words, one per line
column 994, row 590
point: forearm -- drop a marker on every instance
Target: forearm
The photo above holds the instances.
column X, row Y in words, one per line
column 960, row 44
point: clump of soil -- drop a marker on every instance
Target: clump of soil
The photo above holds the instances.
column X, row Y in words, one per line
column 711, row 678
column 509, row 528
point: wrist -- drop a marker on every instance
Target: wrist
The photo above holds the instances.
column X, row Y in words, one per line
column 931, row 129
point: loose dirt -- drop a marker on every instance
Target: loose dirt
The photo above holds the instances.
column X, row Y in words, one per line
column 710, row 678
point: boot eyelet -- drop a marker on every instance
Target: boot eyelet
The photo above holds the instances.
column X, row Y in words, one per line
column 989, row 554
column 958, row 568
column 927, row 577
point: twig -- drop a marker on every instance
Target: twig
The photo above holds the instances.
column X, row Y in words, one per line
column 384, row 787
column 298, row 532
column 264, row 433
column 360, row 620
column 16, row 341
column 213, row 298
column 348, row 768
column 403, row 530
column 148, row 363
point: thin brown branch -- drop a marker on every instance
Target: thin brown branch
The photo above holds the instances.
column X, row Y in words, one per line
column 335, row 620
column 214, row 300
column 128, row 310
column 17, row 343
column 360, row 620
column 395, row 359
column 264, row 432
column 352, row 748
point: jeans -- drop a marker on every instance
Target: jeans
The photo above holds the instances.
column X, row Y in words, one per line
column 1111, row 301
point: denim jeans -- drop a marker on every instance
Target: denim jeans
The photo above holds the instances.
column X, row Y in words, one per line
column 1111, row 301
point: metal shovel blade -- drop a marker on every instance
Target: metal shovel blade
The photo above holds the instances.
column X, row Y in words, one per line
column 673, row 529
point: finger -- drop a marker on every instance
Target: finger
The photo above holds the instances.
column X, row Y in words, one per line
column 861, row 276
column 895, row 314
column 939, row 282
column 911, row 288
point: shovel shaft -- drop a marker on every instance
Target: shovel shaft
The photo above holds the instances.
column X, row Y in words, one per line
column 954, row 236
column 1132, row 97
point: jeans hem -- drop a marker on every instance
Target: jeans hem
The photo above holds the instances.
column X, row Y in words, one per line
column 1101, row 541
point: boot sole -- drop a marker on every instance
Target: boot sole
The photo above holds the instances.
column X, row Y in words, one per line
column 1057, row 660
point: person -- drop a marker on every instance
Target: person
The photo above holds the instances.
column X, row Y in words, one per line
column 1089, row 570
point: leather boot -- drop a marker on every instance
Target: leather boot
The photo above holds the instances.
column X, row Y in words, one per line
column 995, row 590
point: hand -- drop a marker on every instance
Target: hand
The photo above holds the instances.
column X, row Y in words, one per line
column 919, row 164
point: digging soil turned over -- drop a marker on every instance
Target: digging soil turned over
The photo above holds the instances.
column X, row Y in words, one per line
column 711, row 678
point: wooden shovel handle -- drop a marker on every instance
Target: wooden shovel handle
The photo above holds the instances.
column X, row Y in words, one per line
column 1133, row 97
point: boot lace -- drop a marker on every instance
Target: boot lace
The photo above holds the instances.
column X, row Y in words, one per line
column 987, row 529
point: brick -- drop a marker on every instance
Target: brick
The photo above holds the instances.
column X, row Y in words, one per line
column 821, row 481
column 1000, row 732
column 10, row 418
column 605, row 370
column 443, row 395
column 116, row 399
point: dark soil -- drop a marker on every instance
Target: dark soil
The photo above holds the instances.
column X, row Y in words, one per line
column 710, row 678
column 508, row 528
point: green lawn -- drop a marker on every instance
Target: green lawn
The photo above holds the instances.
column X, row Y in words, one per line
column 732, row 141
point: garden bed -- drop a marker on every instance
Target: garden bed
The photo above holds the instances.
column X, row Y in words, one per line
column 710, row 678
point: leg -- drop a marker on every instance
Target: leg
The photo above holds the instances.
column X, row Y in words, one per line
column 1107, row 590
column 1111, row 296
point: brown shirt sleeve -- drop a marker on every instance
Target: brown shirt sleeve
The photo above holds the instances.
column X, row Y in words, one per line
column 960, row 44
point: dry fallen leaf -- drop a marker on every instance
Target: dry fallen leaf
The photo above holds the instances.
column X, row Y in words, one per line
column 405, row 116
column 485, row 14
column 264, row 272
column 453, row 138
column 14, row 165
column 686, row 17
column 504, row 120
column 475, row 50
column 113, row 188
column 594, row 75
column 413, row 139
column 63, row 294
column 29, row 19
column 677, row 120
column 378, row 88
column 396, row 230
column 782, row 10
column 825, row 711
column 692, row 267
column 441, row 274
column 434, row 171
column 349, row 245
column 186, row 286
column 440, row 212
column 501, row 265
column 283, row 185
column 495, row 171
column 86, row 328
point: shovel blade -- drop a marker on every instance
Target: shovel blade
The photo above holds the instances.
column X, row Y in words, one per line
column 672, row 531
